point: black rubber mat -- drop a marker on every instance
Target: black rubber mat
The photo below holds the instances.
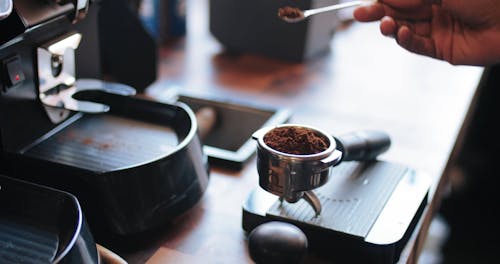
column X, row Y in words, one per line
column 106, row 142
column 351, row 200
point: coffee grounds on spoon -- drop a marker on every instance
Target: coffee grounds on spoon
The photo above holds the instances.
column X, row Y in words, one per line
column 296, row 140
column 289, row 12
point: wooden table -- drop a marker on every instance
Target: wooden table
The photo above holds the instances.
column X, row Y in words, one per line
column 365, row 82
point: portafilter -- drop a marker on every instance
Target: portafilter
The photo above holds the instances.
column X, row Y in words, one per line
column 292, row 175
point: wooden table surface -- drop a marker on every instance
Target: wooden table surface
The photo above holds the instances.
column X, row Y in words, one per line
column 365, row 82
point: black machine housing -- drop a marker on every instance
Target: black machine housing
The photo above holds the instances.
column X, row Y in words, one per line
column 132, row 168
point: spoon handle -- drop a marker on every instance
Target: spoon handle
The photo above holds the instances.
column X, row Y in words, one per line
column 315, row 11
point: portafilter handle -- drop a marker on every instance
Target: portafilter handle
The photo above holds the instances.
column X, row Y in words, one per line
column 363, row 145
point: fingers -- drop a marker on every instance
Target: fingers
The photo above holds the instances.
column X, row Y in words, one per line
column 406, row 20
column 420, row 28
column 404, row 4
column 388, row 26
column 420, row 44
column 434, row 2
column 409, row 4
column 369, row 13
column 400, row 10
column 413, row 36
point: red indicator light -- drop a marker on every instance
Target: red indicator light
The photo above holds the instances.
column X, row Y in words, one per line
column 17, row 77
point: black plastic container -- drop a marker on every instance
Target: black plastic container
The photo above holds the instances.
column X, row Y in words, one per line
column 133, row 169
column 42, row 225
column 254, row 27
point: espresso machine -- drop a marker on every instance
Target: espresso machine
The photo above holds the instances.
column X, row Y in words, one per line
column 132, row 163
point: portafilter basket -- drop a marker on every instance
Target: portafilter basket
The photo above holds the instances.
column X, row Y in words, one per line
column 295, row 176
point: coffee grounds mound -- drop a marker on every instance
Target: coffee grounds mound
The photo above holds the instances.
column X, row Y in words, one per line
column 296, row 140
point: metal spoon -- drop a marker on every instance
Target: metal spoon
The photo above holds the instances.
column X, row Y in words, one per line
column 293, row 14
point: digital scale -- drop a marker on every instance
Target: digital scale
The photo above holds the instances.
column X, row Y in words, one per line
column 369, row 210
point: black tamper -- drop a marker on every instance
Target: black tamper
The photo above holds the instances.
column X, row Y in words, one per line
column 277, row 242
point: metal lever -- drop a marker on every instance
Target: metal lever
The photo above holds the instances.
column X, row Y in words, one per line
column 81, row 8
column 62, row 97
column 57, row 83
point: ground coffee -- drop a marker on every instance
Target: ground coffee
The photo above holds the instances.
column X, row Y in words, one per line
column 296, row 140
column 289, row 12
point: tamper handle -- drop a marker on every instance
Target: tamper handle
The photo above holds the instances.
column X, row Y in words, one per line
column 277, row 243
column 363, row 145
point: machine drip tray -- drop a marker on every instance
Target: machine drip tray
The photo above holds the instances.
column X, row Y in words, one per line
column 369, row 211
column 106, row 143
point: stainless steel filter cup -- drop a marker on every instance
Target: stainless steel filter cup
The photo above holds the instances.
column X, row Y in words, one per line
column 292, row 176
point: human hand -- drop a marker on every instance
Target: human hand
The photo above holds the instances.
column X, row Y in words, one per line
column 457, row 31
